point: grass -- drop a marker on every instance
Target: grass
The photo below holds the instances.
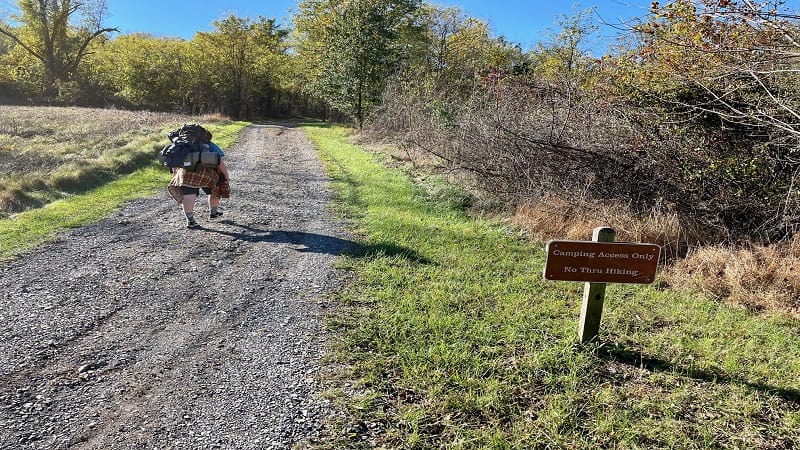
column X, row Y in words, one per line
column 49, row 153
column 23, row 231
column 31, row 228
column 450, row 338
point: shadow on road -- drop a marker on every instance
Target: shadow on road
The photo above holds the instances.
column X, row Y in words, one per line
column 317, row 243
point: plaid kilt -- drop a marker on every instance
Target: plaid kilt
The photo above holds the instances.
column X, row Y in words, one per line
column 200, row 178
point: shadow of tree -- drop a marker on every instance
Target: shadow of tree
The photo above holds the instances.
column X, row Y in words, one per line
column 638, row 359
column 390, row 250
column 317, row 243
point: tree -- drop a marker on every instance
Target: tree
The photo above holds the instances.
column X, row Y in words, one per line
column 51, row 32
column 565, row 57
column 241, row 62
column 737, row 61
column 451, row 55
column 460, row 48
column 715, row 87
column 142, row 71
column 351, row 48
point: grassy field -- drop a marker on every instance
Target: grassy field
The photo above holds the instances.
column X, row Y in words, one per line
column 47, row 153
column 450, row 338
column 65, row 167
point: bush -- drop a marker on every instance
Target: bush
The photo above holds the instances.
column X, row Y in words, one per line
column 524, row 139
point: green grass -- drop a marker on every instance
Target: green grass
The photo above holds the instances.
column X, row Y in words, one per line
column 24, row 231
column 31, row 228
column 454, row 340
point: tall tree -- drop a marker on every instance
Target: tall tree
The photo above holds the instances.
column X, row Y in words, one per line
column 565, row 56
column 352, row 47
column 737, row 61
column 721, row 79
column 57, row 33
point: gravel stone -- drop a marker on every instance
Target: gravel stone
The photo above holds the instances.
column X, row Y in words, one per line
column 136, row 333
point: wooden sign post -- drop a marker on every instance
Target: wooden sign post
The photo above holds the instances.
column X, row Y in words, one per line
column 593, row 296
column 596, row 263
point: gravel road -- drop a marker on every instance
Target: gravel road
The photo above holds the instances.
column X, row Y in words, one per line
column 136, row 333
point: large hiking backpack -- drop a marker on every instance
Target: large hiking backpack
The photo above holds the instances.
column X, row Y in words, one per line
column 180, row 154
column 189, row 149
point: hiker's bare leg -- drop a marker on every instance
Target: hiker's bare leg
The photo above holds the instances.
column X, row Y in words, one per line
column 188, row 203
column 213, row 204
column 188, row 209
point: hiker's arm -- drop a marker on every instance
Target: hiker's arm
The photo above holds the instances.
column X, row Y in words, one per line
column 223, row 170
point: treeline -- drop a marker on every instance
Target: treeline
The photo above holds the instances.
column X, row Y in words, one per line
column 239, row 69
column 694, row 112
column 332, row 62
column 337, row 57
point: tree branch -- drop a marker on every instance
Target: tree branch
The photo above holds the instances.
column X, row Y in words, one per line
column 82, row 50
column 19, row 42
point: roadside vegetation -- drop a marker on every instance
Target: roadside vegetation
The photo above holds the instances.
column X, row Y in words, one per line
column 50, row 152
column 65, row 167
column 450, row 338
column 685, row 133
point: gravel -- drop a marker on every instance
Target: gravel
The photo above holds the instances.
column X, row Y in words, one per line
column 138, row 333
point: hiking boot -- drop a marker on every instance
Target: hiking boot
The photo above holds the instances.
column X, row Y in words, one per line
column 216, row 214
column 192, row 224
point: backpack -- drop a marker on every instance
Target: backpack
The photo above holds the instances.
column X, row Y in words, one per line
column 180, row 153
column 188, row 148
column 191, row 132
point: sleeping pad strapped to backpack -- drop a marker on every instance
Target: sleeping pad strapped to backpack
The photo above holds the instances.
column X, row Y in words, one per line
column 189, row 148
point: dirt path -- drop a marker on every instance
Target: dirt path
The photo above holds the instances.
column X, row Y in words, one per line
column 138, row 333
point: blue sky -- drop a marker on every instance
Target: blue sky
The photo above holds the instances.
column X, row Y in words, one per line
column 521, row 21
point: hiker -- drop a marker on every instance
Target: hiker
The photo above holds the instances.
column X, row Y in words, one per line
column 187, row 182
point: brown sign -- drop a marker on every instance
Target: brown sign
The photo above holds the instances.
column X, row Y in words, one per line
column 601, row 262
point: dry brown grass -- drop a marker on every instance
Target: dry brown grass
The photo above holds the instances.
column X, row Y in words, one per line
column 43, row 138
column 758, row 278
column 574, row 219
